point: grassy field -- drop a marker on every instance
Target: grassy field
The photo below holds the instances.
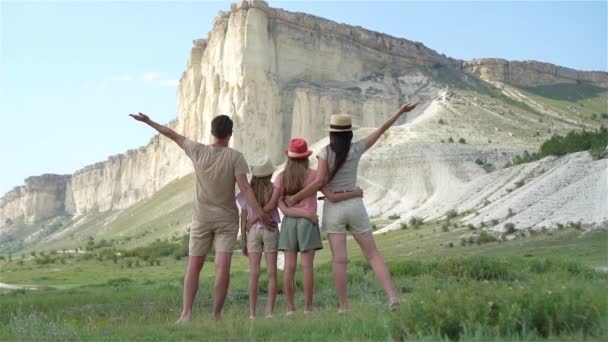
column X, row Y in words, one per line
column 536, row 287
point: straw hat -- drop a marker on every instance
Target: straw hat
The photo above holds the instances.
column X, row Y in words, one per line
column 263, row 167
column 341, row 123
column 298, row 149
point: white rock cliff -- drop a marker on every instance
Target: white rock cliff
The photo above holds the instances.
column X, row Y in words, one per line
column 278, row 75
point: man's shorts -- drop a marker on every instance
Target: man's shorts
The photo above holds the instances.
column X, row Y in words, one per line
column 221, row 235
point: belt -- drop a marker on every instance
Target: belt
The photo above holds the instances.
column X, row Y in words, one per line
column 321, row 198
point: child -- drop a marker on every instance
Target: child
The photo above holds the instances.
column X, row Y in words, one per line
column 299, row 229
column 261, row 238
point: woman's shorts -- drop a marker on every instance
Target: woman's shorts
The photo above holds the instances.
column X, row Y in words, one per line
column 299, row 235
column 346, row 216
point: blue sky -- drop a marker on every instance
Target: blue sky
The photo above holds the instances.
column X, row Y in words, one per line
column 70, row 72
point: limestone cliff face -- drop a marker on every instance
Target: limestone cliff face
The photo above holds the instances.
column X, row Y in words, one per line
column 278, row 75
column 530, row 73
column 40, row 198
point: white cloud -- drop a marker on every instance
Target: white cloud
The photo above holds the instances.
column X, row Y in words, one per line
column 151, row 76
column 168, row 83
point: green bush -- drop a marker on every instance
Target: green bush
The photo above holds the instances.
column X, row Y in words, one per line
column 510, row 228
column 452, row 213
column 394, row 217
column 485, row 237
column 462, row 141
column 575, row 141
column 416, row 222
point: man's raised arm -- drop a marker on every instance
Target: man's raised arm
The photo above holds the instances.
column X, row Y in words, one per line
column 164, row 130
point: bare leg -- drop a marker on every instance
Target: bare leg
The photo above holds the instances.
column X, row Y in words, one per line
column 193, row 270
column 309, row 278
column 368, row 246
column 222, row 281
column 254, row 277
column 291, row 259
column 271, row 269
column 337, row 243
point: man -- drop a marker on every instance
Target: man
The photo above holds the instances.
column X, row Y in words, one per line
column 215, row 217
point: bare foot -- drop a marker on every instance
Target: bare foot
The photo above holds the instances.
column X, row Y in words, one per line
column 183, row 320
column 393, row 303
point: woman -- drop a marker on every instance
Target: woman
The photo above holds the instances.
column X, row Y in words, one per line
column 338, row 172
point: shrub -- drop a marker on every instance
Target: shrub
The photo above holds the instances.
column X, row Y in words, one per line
column 594, row 141
column 510, row 228
column 510, row 213
column 471, row 226
column 394, row 217
column 450, row 140
column 441, row 122
column 520, row 183
column 374, row 226
column 485, row 237
column 445, row 227
column 403, row 225
column 494, row 222
column 479, row 161
column 577, row 225
column 416, row 222
column 462, row 141
column 451, row 213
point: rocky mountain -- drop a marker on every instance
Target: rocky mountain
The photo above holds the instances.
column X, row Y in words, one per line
column 281, row 74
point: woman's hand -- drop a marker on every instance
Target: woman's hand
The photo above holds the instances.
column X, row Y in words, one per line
column 289, row 201
column 314, row 218
column 245, row 251
column 408, row 107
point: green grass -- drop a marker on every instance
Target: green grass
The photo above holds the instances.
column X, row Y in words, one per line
column 538, row 287
column 466, row 297
column 577, row 101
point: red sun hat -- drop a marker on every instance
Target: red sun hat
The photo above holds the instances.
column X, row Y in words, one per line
column 298, row 149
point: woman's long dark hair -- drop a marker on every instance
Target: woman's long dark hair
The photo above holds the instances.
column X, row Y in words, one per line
column 339, row 142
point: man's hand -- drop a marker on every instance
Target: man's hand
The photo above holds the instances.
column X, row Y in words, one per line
column 272, row 227
column 140, row 117
column 266, row 219
column 245, row 251
column 408, row 107
column 250, row 223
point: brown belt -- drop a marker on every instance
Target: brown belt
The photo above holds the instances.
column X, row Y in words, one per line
column 321, row 198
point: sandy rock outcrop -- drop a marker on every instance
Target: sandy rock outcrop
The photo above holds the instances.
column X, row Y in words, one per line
column 530, row 73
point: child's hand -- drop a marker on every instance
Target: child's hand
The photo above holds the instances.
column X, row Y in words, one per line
column 245, row 251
